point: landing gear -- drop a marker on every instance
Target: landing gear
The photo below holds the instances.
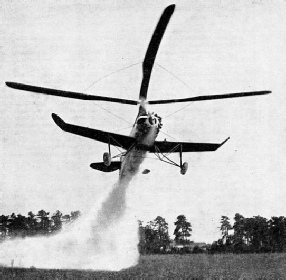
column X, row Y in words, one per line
column 107, row 159
column 107, row 156
column 184, row 168
column 164, row 157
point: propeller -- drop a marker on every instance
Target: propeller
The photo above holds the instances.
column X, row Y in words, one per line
column 153, row 49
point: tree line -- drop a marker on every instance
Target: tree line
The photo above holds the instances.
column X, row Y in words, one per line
column 251, row 235
column 42, row 223
column 154, row 237
column 246, row 235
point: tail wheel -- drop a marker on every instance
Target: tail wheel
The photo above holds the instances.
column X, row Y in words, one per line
column 184, row 168
column 107, row 159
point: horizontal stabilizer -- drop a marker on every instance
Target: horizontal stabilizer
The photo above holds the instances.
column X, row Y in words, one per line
column 115, row 165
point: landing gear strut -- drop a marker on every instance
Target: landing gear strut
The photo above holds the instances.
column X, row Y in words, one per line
column 183, row 166
column 164, row 157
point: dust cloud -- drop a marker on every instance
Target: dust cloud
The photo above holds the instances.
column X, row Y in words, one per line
column 105, row 239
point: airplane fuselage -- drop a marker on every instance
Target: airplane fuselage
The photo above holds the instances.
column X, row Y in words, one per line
column 145, row 129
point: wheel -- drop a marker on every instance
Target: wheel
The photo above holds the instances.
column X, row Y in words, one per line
column 184, row 168
column 106, row 159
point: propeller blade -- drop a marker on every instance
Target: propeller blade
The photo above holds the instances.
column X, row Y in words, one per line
column 153, row 49
column 68, row 94
column 210, row 97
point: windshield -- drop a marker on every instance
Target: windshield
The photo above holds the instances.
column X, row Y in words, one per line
column 141, row 120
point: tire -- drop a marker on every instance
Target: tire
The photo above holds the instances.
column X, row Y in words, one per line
column 184, row 168
column 106, row 159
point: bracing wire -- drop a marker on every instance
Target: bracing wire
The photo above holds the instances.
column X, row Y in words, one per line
column 176, row 77
column 123, row 128
column 179, row 110
column 111, row 113
column 181, row 81
column 129, row 66
column 124, row 68
column 168, row 135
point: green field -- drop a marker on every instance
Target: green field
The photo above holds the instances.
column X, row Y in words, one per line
column 228, row 266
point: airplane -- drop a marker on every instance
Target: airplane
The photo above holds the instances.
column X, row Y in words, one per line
column 147, row 125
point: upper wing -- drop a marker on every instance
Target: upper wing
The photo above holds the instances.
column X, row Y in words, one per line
column 118, row 140
column 175, row 147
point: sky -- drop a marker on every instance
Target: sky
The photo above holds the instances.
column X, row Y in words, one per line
column 210, row 47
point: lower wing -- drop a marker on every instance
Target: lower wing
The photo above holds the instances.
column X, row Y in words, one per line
column 114, row 139
column 175, row 147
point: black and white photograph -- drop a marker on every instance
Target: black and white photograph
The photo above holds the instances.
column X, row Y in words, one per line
column 143, row 139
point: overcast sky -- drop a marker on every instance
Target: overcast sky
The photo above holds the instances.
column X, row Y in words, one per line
column 214, row 47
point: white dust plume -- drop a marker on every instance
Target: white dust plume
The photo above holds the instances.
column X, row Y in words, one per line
column 105, row 239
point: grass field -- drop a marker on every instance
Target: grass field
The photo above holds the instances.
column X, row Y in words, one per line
column 251, row 266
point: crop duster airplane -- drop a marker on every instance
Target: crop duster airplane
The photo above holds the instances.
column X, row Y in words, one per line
column 147, row 125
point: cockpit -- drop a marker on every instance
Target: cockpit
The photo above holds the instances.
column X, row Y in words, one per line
column 141, row 120
column 151, row 119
